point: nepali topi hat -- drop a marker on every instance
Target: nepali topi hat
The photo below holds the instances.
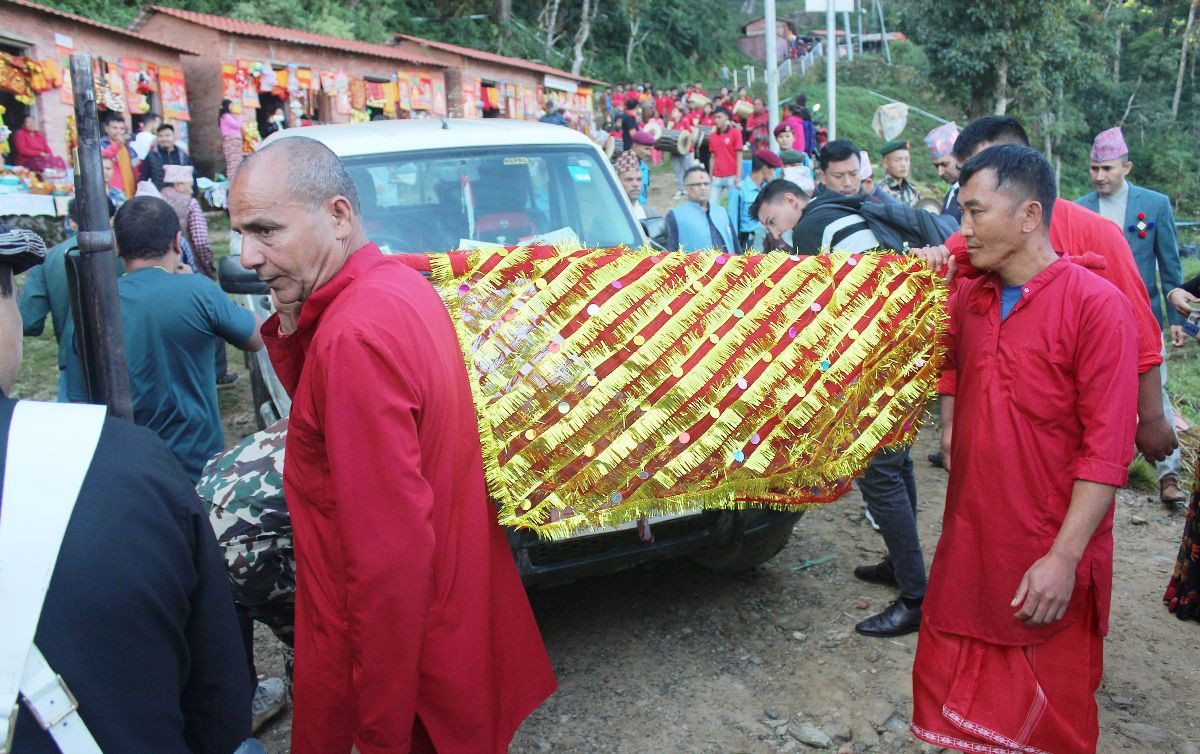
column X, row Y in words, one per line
column 1109, row 145
column 941, row 140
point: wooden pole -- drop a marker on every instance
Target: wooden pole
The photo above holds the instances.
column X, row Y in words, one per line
column 97, row 308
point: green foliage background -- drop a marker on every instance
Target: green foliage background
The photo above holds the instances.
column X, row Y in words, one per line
column 686, row 40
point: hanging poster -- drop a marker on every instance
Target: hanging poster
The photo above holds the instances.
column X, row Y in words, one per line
column 389, row 99
column 174, row 95
column 358, row 94
column 404, row 88
column 137, row 89
column 247, row 83
column 64, row 47
column 470, row 90
column 229, row 87
column 424, row 98
column 439, row 94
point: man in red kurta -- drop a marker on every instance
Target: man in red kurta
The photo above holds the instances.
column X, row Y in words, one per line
column 413, row 632
column 1076, row 231
column 1042, row 371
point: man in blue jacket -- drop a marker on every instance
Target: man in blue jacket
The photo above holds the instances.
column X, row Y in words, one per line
column 697, row 224
column 1146, row 219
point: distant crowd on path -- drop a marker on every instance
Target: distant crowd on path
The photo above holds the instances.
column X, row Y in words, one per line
column 1054, row 374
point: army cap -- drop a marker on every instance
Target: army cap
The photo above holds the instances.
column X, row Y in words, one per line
column 894, row 145
column 791, row 157
column 21, row 249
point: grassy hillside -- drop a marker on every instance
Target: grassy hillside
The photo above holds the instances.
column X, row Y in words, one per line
column 856, row 107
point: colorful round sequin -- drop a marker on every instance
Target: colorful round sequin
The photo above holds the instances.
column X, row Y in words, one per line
column 742, row 383
column 643, row 475
column 618, row 284
column 815, row 307
column 616, row 497
column 755, row 439
column 530, row 434
column 684, row 438
column 593, row 309
column 464, row 289
column 739, row 456
column 714, row 413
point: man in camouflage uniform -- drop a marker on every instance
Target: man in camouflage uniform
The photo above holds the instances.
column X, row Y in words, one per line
column 243, row 488
column 897, row 164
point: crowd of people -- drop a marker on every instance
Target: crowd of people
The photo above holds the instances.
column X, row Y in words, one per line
column 410, row 628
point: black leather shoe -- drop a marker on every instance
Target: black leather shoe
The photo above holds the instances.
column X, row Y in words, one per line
column 881, row 573
column 897, row 620
column 936, row 460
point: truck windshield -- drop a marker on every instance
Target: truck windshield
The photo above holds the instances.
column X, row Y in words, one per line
column 439, row 200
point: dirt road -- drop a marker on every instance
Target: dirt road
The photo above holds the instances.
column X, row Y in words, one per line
column 671, row 658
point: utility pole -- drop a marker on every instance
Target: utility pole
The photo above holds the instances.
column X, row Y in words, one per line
column 887, row 51
column 849, row 36
column 772, row 71
column 96, row 306
column 858, row 14
column 831, row 53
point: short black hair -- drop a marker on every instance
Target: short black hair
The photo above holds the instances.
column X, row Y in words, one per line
column 72, row 211
column 990, row 129
column 630, row 104
column 165, row 127
column 146, row 226
column 1022, row 170
column 694, row 169
column 773, row 191
column 6, row 280
column 110, row 117
column 836, row 151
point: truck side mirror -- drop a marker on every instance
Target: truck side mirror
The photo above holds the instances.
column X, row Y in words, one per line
column 656, row 229
column 235, row 278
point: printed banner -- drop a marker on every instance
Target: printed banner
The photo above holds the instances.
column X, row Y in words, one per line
column 174, row 94
column 613, row 385
column 247, row 83
column 423, row 99
column 439, row 94
column 63, row 52
column 229, row 85
column 470, row 93
column 404, row 88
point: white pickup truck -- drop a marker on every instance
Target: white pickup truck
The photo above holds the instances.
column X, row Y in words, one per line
column 438, row 185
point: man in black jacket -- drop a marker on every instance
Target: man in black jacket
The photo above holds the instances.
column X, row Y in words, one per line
column 841, row 218
column 138, row 620
column 165, row 152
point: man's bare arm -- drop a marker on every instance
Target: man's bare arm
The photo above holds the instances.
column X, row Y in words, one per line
column 1047, row 586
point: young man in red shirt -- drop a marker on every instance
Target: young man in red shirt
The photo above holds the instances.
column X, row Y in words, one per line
column 725, row 145
column 1041, row 371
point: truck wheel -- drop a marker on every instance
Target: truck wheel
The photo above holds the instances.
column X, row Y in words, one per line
column 746, row 552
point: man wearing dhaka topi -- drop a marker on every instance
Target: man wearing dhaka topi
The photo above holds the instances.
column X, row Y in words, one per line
column 413, row 633
column 1042, row 371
